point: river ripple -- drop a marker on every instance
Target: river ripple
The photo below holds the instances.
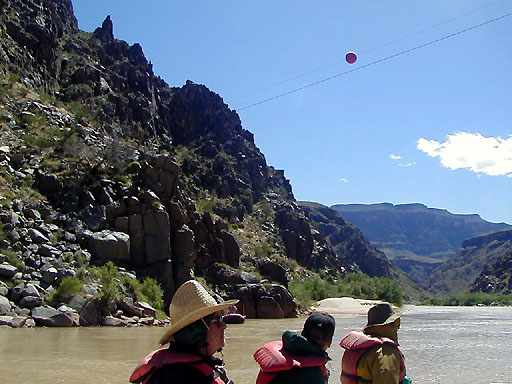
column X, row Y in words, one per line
column 441, row 344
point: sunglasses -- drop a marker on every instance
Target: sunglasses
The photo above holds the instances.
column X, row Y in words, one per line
column 218, row 321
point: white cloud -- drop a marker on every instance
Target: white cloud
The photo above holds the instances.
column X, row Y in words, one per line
column 407, row 164
column 395, row 157
column 463, row 150
column 343, row 180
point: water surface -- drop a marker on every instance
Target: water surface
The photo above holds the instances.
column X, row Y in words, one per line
column 441, row 344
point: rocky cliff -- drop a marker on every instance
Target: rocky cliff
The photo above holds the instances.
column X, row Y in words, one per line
column 416, row 238
column 348, row 242
column 102, row 161
column 481, row 265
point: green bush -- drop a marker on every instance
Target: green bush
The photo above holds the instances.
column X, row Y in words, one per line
column 109, row 280
column 263, row 250
column 152, row 293
column 120, row 178
column 356, row 285
column 148, row 290
column 15, row 260
column 69, row 286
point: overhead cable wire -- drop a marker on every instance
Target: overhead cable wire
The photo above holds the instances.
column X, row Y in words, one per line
column 374, row 62
column 368, row 50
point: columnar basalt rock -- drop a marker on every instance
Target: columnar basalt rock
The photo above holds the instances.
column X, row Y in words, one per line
column 122, row 157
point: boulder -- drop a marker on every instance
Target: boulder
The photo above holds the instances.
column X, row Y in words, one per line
column 110, row 245
column 274, row 271
column 4, row 290
column 31, row 302
column 16, row 292
column 268, row 308
column 147, row 309
column 71, row 313
column 218, row 274
column 37, row 237
column 89, row 315
column 95, row 217
column 66, row 272
column 111, row 321
column 7, row 270
column 16, row 321
column 50, row 317
column 264, row 302
column 249, row 278
column 284, row 299
column 49, row 275
column 46, row 250
column 30, row 290
column 5, row 305
column 231, row 249
column 127, row 306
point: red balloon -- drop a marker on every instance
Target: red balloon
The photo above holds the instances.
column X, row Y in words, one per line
column 351, row 57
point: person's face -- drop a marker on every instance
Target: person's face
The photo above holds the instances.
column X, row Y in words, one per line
column 397, row 324
column 215, row 336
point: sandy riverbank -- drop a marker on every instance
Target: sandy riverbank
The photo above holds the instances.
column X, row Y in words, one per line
column 344, row 306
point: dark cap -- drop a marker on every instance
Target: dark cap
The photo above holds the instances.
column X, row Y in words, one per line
column 322, row 321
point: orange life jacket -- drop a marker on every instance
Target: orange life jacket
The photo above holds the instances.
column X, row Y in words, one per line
column 273, row 358
column 164, row 356
column 356, row 344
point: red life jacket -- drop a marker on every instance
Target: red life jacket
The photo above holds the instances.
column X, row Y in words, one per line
column 273, row 358
column 164, row 356
column 356, row 344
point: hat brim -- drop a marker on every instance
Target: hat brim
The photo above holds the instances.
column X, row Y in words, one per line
column 194, row 316
column 396, row 315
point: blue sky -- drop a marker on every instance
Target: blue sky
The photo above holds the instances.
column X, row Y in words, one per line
column 432, row 126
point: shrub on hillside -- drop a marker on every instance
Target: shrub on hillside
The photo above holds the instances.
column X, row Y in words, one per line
column 109, row 280
column 69, row 286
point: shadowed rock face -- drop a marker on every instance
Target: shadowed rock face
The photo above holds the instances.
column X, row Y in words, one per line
column 350, row 245
column 124, row 160
column 483, row 264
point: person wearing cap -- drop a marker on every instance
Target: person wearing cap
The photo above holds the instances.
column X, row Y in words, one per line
column 298, row 358
column 372, row 356
column 196, row 333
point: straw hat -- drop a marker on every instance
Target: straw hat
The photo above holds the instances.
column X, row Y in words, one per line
column 190, row 303
column 382, row 314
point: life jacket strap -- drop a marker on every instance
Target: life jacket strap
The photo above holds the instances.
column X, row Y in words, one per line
column 357, row 378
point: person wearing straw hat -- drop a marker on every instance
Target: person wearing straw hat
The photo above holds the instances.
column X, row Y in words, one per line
column 372, row 356
column 196, row 333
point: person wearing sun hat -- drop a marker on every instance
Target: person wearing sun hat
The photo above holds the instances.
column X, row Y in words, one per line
column 195, row 334
column 372, row 356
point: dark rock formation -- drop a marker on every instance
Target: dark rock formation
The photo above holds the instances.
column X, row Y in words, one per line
column 495, row 278
column 106, row 162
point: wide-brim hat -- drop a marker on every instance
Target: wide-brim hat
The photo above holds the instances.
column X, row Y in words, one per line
column 190, row 303
column 382, row 314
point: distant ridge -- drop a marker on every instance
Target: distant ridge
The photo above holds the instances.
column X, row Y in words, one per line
column 415, row 237
column 482, row 264
column 349, row 242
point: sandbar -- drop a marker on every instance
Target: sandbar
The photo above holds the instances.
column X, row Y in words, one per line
column 344, row 306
